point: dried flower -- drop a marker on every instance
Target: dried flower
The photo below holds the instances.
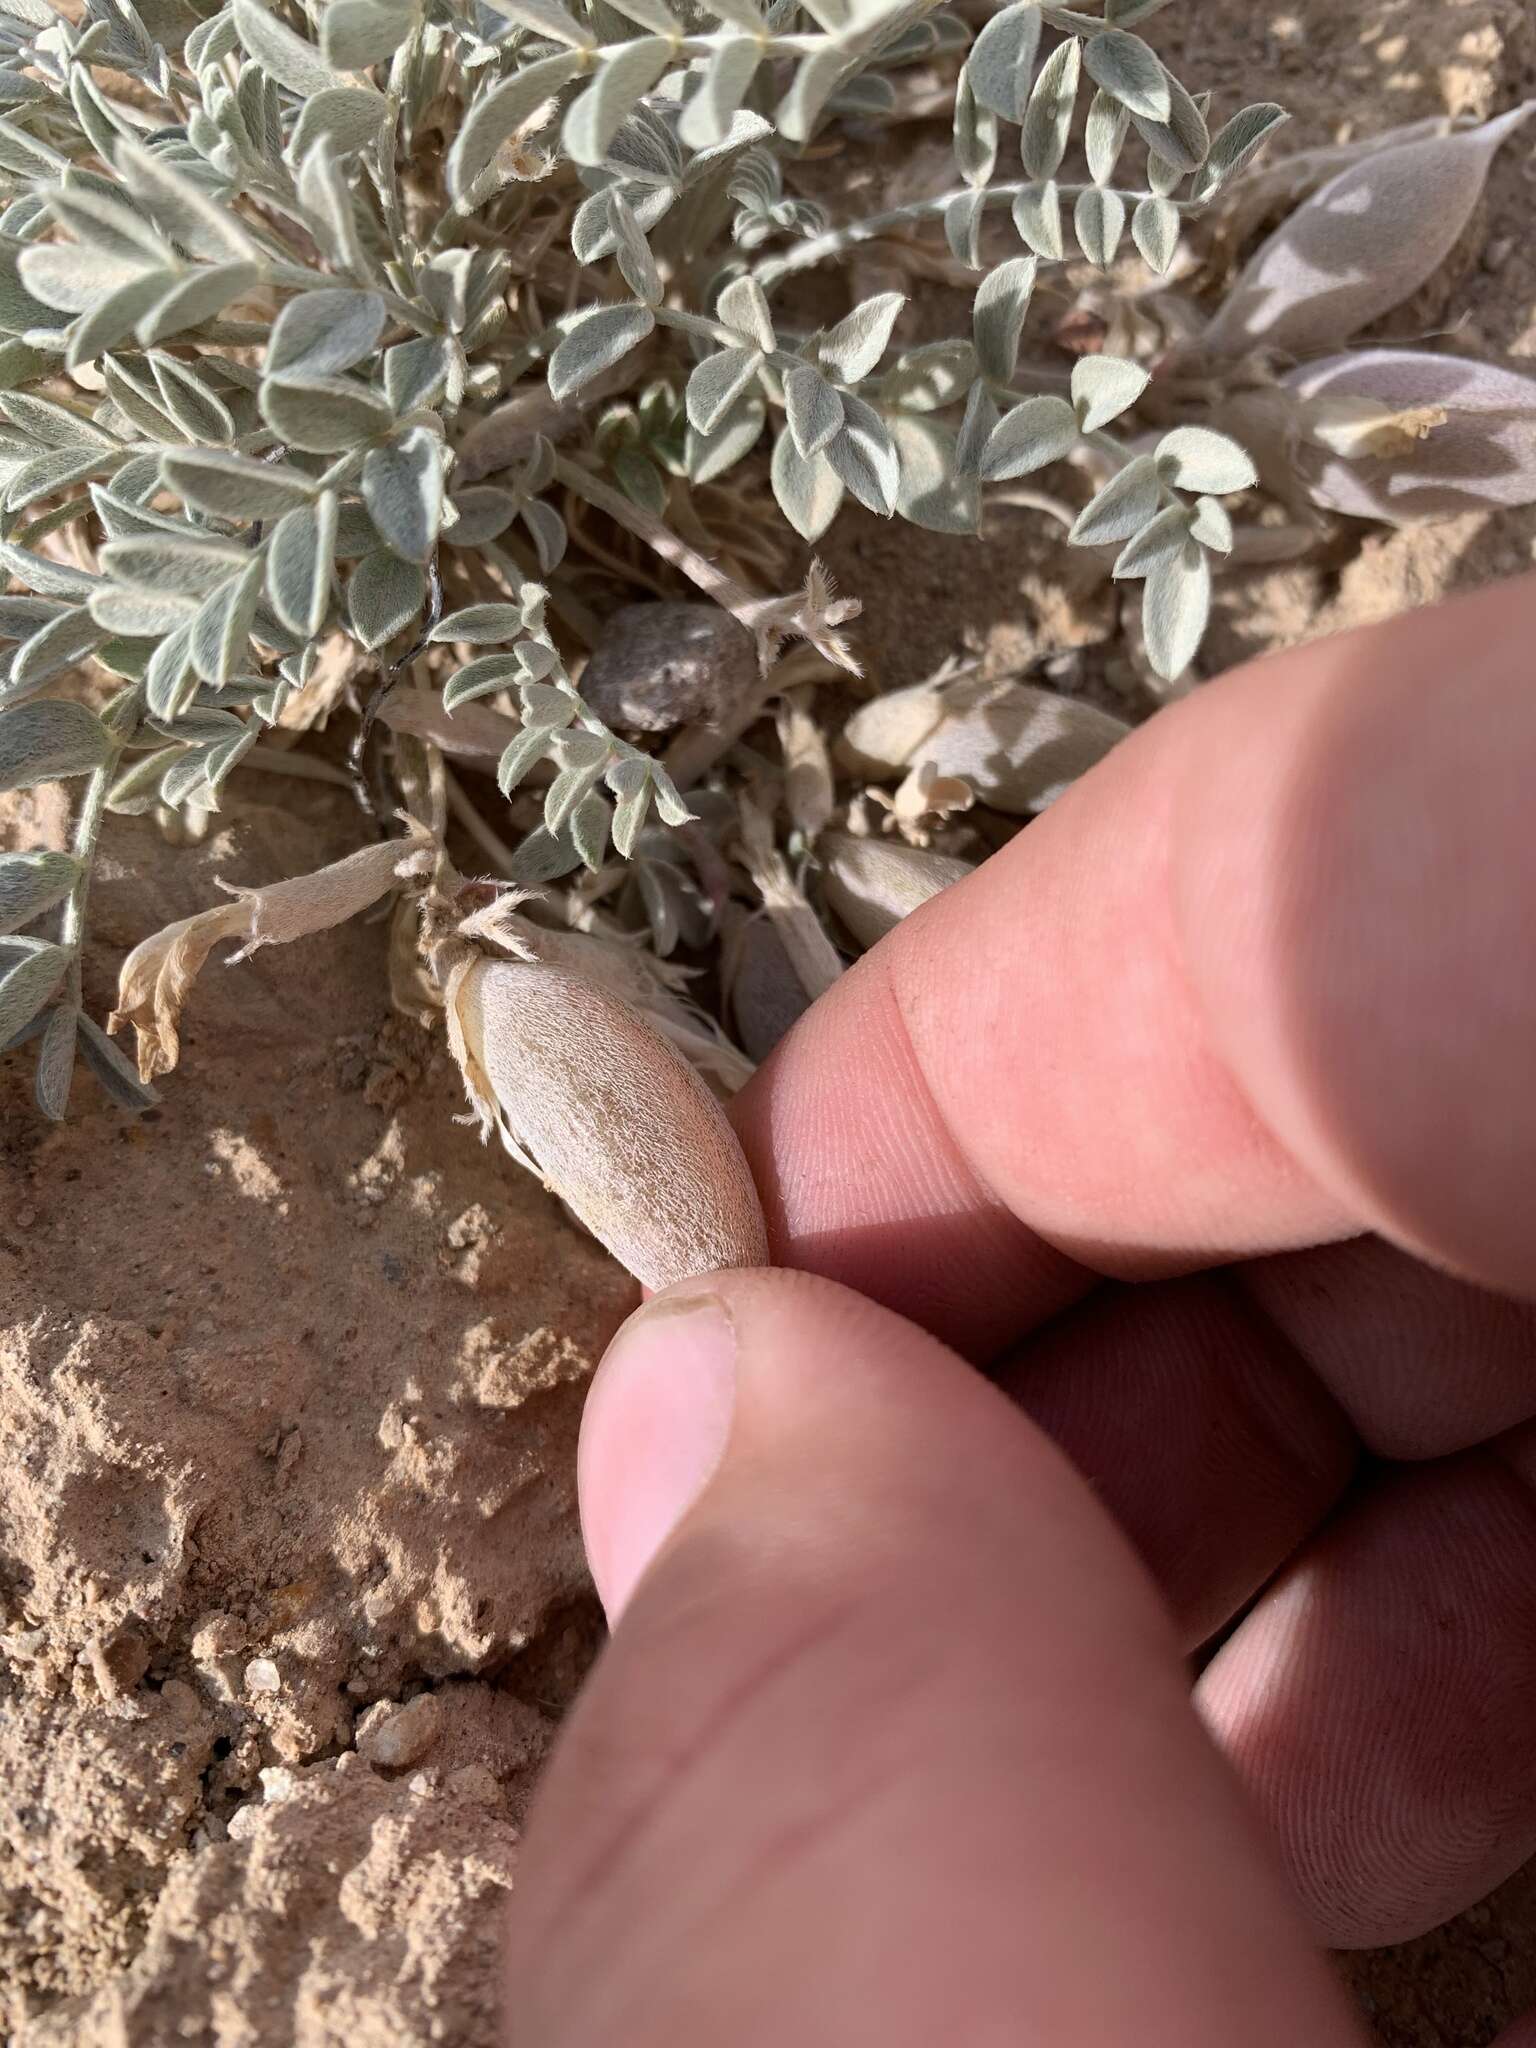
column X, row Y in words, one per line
column 158, row 973
column 813, row 614
column 925, row 801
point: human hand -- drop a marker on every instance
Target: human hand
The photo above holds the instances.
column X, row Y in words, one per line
column 893, row 1742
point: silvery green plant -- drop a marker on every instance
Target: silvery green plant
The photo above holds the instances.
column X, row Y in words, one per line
column 323, row 321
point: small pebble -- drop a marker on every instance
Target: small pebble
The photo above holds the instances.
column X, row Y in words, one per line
column 218, row 1635
column 261, row 1675
column 659, row 666
column 476, row 1782
column 393, row 1737
column 118, row 1662
column 222, row 1678
column 244, row 1821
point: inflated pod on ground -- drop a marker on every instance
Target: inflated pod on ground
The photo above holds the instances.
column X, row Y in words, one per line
column 1022, row 750
column 1404, row 434
column 588, row 1095
column 1018, row 747
column 882, row 736
column 873, row 884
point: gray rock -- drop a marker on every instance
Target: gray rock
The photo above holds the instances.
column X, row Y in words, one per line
column 659, row 666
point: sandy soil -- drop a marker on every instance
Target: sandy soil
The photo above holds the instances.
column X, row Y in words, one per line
column 291, row 1595
column 287, row 1411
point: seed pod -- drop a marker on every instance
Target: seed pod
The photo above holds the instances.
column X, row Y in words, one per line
column 635, row 975
column 1360, row 246
column 873, row 884
column 809, row 794
column 1403, row 435
column 1021, row 750
column 587, row 1095
column 1017, row 746
column 884, row 735
column 659, row 666
column 766, row 994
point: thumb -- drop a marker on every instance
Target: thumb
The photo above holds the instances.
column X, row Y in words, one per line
column 892, row 1744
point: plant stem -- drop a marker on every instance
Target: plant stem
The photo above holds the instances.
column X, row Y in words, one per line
column 1107, row 445
column 297, row 276
column 837, row 241
column 1025, row 500
column 269, row 760
column 462, row 807
column 517, row 563
column 697, row 748
column 695, row 323
column 1031, row 379
column 83, row 846
column 811, row 953
column 382, row 172
column 661, row 540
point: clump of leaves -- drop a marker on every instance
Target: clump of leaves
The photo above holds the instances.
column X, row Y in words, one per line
column 354, row 349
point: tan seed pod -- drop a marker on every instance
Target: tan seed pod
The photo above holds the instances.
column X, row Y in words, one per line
column 632, row 973
column 1017, row 746
column 473, row 732
column 873, row 884
column 884, row 735
column 585, row 1093
column 1406, row 434
column 1022, row 749
column 1375, row 233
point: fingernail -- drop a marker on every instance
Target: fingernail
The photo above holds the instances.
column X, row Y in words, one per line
column 652, row 1434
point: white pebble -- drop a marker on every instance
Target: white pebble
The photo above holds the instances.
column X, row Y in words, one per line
column 400, row 1735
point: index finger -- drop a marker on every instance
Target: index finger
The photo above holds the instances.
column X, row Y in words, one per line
column 1265, row 977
